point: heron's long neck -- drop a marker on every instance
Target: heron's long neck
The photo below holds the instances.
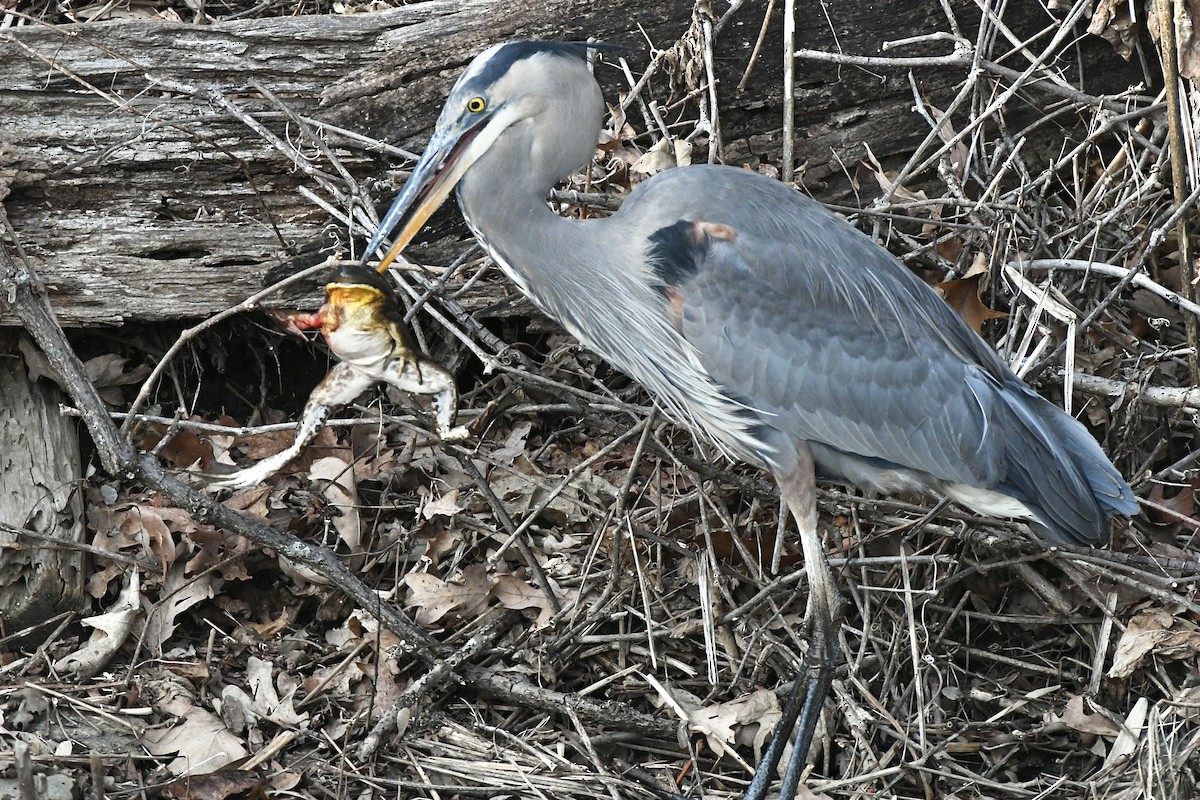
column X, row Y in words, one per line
column 587, row 274
column 506, row 208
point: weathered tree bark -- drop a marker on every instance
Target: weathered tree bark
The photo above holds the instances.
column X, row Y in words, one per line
column 141, row 196
column 39, row 492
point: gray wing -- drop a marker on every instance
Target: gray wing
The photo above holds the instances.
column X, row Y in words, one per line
column 835, row 342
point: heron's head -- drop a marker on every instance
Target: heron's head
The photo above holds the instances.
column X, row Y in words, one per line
column 536, row 96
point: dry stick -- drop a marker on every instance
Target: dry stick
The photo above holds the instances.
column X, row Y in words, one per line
column 47, row 542
column 787, row 173
column 518, row 530
column 242, row 431
column 590, row 749
column 1018, row 78
column 24, row 764
column 734, row 5
column 1162, row 396
column 1114, row 167
column 96, row 766
column 914, row 652
column 758, row 43
column 431, row 681
column 1170, row 62
column 115, row 719
column 715, row 145
column 359, row 139
column 308, row 131
column 1154, row 239
column 635, row 94
column 121, row 460
column 219, row 100
column 962, row 60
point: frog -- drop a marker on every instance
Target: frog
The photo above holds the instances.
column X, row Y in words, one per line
column 363, row 325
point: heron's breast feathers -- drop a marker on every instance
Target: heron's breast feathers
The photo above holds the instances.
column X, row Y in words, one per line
column 654, row 350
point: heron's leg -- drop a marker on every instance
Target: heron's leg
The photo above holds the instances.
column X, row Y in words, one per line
column 811, row 685
column 423, row 376
column 340, row 386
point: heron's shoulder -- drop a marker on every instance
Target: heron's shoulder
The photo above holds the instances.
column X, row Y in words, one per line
column 678, row 250
column 697, row 184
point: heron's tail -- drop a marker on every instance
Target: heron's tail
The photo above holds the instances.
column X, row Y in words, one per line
column 1057, row 469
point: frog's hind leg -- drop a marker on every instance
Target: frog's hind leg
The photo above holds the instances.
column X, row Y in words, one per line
column 423, row 376
column 340, row 386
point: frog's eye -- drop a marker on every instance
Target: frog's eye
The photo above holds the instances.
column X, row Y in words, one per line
column 476, row 105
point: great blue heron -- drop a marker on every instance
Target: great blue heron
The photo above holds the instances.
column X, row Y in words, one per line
column 787, row 336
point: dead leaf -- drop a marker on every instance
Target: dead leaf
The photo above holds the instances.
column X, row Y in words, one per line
column 514, row 446
column 1110, row 19
column 1075, row 716
column 341, row 490
column 518, row 595
column 445, row 506
column 718, row 722
column 660, row 157
column 220, row 549
column 1130, row 737
column 187, row 449
column 215, row 786
column 1179, row 508
column 36, row 365
column 442, row 542
column 963, row 296
column 1186, row 19
column 180, row 591
column 1156, row 632
column 268, row 703
column 886, row 179
column 434, row 598
column 198, row 737
column 200, row 741
column 136, row 530
column 1187, row 39
column 107, row 373
column 111, row 631
column 959, row 155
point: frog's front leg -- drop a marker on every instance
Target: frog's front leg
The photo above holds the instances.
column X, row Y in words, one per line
column 420, row 375
column 340, row 386
column 297, row 322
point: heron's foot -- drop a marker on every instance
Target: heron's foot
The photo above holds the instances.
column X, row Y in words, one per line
column 802, row 709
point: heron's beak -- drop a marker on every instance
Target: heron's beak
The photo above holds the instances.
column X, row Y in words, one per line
column 446, row 159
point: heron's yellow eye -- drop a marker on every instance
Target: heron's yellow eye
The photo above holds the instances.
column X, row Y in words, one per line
column 476, row 104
